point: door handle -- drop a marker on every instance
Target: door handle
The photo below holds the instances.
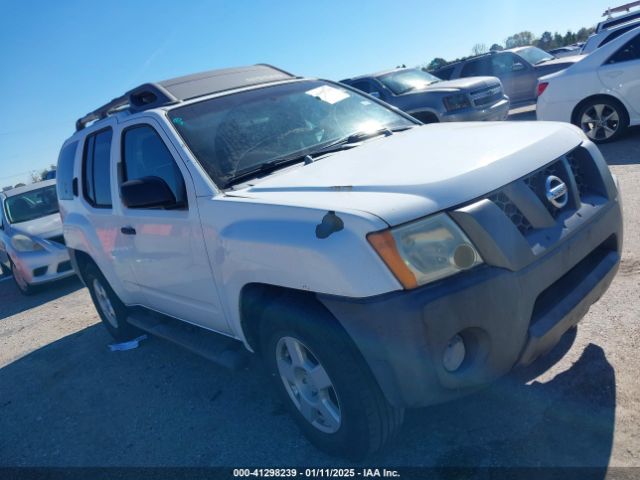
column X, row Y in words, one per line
column 128, row 230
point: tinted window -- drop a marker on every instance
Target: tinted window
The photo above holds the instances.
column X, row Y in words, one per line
column 31, row 205
column 444, row 73
column 363, row 85
column 617, row 33
column 477, row 67
column 65, row 171
column 630, row 51
column 97, row 176
column 503, row 64
column 146, row 155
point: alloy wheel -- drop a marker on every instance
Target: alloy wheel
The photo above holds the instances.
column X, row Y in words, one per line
column 308, row 385
column 105, row 303
column 600, row 121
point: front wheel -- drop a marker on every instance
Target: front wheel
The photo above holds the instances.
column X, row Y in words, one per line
column 602, row 120
column 325, row 383
column 111, row 310
column 21, row 282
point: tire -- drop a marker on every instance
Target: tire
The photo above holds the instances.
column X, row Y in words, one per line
column 355, row 418
column 111, row 310
column 602, row 119
column 23, row 286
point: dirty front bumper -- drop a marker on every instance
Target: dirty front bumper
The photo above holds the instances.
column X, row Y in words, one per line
column 44, row 266
column 505, row 317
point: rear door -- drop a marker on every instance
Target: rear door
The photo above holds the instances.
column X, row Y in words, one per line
column 621, row 73
column 166, row 248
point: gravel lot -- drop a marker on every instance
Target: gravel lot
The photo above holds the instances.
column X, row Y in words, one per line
column 66, row 400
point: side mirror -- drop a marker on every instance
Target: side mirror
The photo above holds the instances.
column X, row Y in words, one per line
column 147, row 192
column 375, row 94
column 517, row 67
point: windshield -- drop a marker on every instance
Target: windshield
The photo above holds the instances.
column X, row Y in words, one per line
column 31, row 205
column 239, row 132
column 534, row 55
column 403, row 81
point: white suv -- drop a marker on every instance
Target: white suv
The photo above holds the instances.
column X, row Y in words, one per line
column 374, row 263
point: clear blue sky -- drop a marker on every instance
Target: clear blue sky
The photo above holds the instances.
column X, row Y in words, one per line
column 61, row 59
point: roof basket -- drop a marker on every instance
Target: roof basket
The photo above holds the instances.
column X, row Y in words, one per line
column 168, row 92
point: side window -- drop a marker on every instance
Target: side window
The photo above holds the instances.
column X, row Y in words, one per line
column 617, row 33
column 96, row 174
column 629, row 51
column 444, row 73
column 502, row 64
column 362, row 85
column 474, row 68
column 65, row 171
column 144, row 154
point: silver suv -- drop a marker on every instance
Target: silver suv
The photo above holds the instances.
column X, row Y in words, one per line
column 431, row 100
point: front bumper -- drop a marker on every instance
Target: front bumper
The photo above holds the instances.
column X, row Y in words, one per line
column 496, row 112
column 43, row 266
column 505, row 317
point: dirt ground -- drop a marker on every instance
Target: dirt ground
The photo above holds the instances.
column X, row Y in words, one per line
column 66, row 400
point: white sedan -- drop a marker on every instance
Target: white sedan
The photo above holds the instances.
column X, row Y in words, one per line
column 600, row 94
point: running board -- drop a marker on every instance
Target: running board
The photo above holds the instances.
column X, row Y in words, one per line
column 224, row 351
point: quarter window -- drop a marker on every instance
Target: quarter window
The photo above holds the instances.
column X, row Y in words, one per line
column 146, row 155
column 96, row 172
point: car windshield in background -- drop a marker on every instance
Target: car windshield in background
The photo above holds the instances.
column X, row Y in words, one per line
column 404, row 81
column 31, row 205
column 534, row 55
column 236, row 133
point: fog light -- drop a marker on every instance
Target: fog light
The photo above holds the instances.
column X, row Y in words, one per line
column 454, row 354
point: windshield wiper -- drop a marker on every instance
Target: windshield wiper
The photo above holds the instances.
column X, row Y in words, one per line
column 344, row 143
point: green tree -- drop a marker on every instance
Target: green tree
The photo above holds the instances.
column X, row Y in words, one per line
column 545, row 41
column 19, row 185
column 520, row 39
column 496, row 47
column 436, row 63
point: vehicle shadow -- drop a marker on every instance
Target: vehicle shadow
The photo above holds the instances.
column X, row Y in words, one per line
column 625, row 151
column 75, row 403
column 13, row 302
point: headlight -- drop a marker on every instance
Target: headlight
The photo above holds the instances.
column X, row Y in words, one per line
column 456, row 102
column 425, row 250
column 22, row 243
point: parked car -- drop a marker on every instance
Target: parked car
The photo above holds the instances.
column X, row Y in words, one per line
column 626, row 15
column 372, row 262
column 601, row 94
column 566, row 51
column 518, row 69
column 31, row 242
column 430, row 99
column 607, row 35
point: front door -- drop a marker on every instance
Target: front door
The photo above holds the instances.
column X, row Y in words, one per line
column 166, row 247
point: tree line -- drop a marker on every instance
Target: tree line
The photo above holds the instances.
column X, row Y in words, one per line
column 547, row 41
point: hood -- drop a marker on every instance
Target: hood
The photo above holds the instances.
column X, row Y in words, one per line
column 44, row 227
column 468, row 83
column 420, row 171
column 562, row 61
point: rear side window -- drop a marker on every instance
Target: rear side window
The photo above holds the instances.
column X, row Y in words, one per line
column 362, row 85
column 617, row 33
column 629, row 52
column 145, row 155
column 96, row 172
column 65, row 171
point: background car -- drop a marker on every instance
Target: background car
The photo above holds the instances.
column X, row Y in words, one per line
column 518, row 69
column 601, row 94
column 31, row 242
column 566, row 51
column 607, row 35
column 430, row 99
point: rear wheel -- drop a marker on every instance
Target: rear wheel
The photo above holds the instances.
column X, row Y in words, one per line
column 21, row 282
column 602, row 119
column 326, row 385
column 111, row 310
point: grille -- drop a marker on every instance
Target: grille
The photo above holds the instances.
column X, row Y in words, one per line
column 511, row 211
column 486, row 96
column 58, row 239
column 536, row 182
column 578, row 174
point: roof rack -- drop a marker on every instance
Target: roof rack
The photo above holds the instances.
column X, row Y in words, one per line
column 612, row 21
column 175, row 90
